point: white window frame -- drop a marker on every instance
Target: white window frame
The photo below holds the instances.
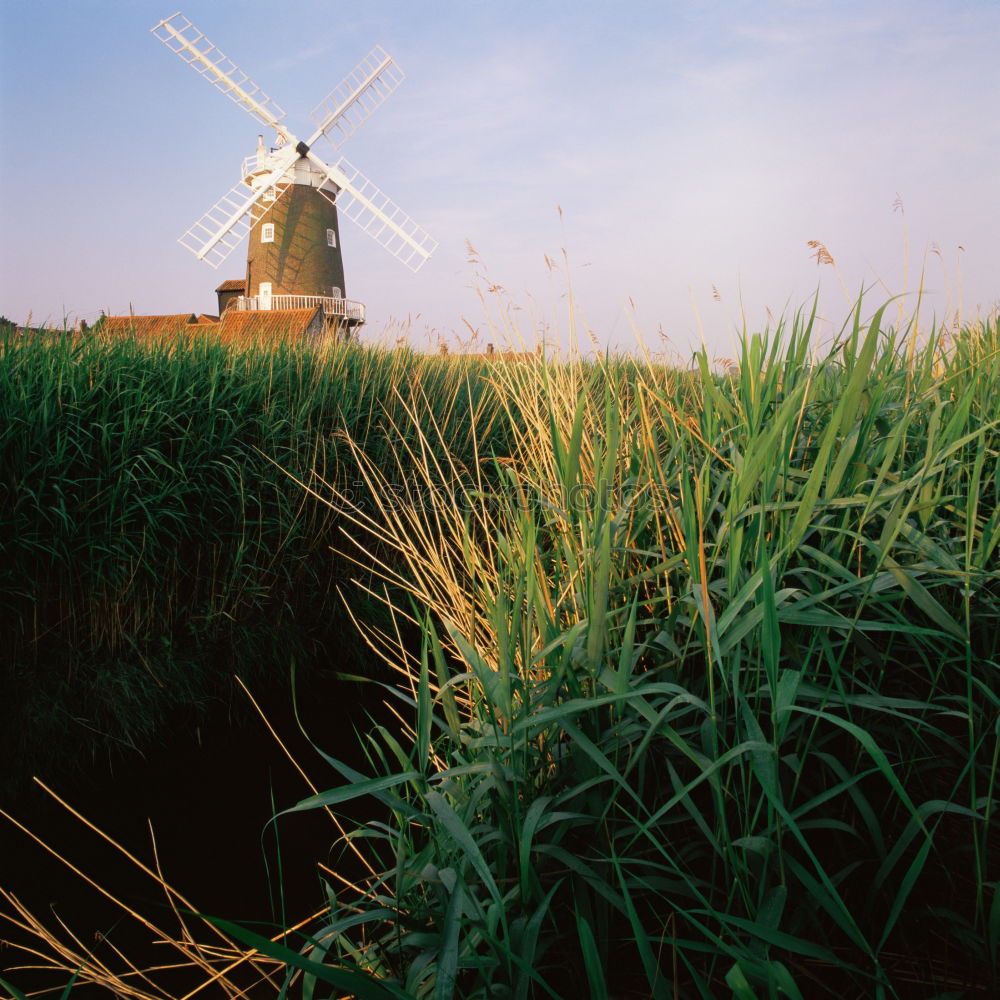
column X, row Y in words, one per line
column 269, row 193
column 336, row 293
column 267, row 232
column 331, row 238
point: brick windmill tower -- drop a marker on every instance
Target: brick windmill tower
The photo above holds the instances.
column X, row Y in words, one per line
column 287, row 198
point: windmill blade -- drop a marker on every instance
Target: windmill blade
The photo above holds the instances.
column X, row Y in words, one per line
column 181, row 36
column 351, row 103
column 384, row 221
column 221, row 229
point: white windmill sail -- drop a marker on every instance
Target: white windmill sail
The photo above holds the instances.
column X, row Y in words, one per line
column 222, row 228
column 351, row 103
column 181, row 36
column 376, row 214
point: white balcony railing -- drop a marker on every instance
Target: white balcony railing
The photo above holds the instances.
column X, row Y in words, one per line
column 354, row 312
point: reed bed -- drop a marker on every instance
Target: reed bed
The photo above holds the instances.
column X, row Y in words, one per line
column 706, row 694
column 707, row 698
column 155, row 532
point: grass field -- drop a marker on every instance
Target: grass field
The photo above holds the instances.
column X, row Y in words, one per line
column 705, row 689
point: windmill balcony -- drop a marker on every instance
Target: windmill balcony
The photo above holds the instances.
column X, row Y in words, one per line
column 353, row 312
column 257, row 163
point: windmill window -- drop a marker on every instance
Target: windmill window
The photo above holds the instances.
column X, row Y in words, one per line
column 331, row 238
column 269, row 194
column 336, row 293
column 267, row 232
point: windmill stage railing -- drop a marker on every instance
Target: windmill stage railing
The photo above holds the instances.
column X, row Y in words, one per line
column 354, row 312
column 256, row 163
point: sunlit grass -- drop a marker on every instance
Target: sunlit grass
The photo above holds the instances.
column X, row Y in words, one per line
column 708, row 694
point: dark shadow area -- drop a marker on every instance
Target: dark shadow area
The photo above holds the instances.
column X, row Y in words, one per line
column 209, row 794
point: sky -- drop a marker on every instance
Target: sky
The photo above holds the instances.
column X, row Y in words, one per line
column 592, row 170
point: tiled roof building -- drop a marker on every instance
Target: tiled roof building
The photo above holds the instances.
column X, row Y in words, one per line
column 272, row 324
column 230, row 290
column 144, row 326
column 235, row 326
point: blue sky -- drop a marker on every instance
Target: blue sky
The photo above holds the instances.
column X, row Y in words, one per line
column 618, row 168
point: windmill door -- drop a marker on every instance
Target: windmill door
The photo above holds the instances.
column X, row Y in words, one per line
column 265, row 295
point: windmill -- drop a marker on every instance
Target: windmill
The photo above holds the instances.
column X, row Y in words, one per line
column 287, row 198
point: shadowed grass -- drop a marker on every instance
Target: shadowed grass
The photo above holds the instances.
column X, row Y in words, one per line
column 153, row 537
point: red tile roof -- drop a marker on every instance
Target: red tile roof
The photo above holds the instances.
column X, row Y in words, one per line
column 144, row 326
column 233, row 285
column 269, row 324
